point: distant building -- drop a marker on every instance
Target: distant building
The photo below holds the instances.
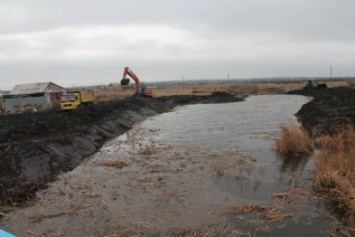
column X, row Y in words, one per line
column 43, row 94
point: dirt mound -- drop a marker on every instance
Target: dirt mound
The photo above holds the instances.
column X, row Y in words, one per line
column 331, row 110
column 36, row 147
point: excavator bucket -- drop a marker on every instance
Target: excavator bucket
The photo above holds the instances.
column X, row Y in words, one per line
column 125, row 81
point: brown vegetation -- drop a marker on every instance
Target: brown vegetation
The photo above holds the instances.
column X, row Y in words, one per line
column 335, row 170
column 335, row 163
column 294, row 140
column 329, row 119
column 238, row 210
column 240, row 90
column 112, row 94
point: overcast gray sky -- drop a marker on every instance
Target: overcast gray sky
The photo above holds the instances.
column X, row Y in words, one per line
column 89, row 42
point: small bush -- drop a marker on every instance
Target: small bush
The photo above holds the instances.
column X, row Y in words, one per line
column 294, row 140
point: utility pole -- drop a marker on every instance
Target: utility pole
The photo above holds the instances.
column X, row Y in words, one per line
column 331, row 71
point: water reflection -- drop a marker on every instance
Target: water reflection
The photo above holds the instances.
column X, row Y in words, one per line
column 249, row 127
column 293, row 163
column 232, row 183
column 295, row 170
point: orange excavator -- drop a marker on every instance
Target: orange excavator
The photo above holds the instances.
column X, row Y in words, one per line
column 140, row 87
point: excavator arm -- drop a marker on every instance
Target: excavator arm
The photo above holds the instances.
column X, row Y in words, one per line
column 125, row 81
column 140, row 87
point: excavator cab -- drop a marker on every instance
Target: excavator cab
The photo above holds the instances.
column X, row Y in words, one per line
column 314, row 85
column 145, row 90
column 148, row 91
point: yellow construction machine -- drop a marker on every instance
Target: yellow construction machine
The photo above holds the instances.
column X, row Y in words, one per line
column 74, row 99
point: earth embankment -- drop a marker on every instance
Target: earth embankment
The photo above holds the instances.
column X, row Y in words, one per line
column 36, row 147
column 331, row 110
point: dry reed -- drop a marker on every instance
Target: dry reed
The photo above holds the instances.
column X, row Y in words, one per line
column 294, row 141
column 239, row 210
column 335, row 170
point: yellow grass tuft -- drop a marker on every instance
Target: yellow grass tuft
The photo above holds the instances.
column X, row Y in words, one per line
column 335, row 169
column 294, row 140
column 337, row 156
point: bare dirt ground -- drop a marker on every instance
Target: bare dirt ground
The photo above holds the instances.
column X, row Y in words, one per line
column 331, row 110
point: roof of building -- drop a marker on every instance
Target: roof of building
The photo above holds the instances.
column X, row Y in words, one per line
column 35, row 88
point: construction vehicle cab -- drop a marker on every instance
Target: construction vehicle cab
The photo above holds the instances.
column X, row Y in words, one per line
column 73, row 99
column 140, row 87
column 314, row 85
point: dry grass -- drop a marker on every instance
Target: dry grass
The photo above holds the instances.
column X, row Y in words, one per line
column 282, row 196
column 239, row 210
column 240, row 90
column 294, row 141
column 112, row 94
column 335, row 170
column 270, row 214
column 41, row 216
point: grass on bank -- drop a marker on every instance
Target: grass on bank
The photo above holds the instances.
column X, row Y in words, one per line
column 294, row 141
column 334, row 164
column 335, row 170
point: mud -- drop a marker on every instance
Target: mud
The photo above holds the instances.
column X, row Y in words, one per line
column 331, row 110
column 156, row 194
column 36, row 147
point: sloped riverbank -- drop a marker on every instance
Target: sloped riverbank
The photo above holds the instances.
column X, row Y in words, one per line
column 330, row 110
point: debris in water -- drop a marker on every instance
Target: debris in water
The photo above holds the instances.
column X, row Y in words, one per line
column 247, row 209
column 117, row 164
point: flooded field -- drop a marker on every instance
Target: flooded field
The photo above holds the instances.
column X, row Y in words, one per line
column 201, row 170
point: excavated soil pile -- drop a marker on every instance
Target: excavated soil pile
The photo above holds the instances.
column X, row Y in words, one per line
column 36, row 147
column 330, row 110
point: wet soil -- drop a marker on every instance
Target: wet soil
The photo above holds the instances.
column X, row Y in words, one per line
column 36, row 147
column 331, row 110
column 152, row 189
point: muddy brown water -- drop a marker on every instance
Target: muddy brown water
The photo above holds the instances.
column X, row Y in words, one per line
column 201, row 170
